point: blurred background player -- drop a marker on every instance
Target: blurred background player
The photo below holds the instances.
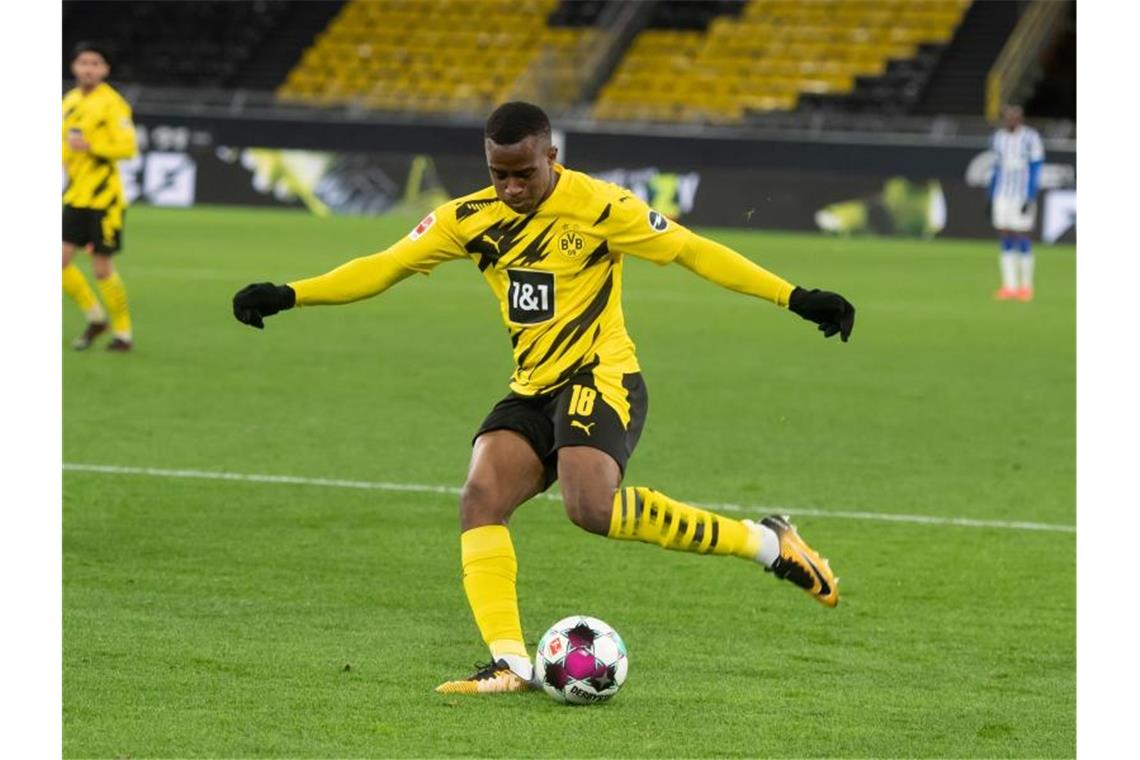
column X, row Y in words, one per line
column 97, row 134
column 1013, row 200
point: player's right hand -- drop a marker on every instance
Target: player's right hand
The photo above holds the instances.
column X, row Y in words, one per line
column 262, row 299
column 831, row 311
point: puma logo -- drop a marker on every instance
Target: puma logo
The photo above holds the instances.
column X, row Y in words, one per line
column 586, row 427
column 494, row 242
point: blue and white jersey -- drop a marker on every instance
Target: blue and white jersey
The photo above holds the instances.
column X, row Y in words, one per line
column 1017, row 171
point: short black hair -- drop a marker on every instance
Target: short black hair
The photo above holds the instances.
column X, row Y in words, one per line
column 87, row 46
column 515, row 121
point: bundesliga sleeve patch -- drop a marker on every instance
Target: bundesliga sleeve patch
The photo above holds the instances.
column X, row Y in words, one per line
column 657, row 220
column 424, row 225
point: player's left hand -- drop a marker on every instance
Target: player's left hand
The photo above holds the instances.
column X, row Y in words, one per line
column 1025, row 207
column 831, row 311
column 262, row 299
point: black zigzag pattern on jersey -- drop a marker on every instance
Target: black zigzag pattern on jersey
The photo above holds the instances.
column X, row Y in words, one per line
column 535, row 251
column 467, row 208
column 103, row 183
column 580, row 366
column 574, row 328
column 601, row 253
column 497, row 240
column 604, row 215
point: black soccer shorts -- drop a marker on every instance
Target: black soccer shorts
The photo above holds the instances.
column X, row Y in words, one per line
column 102, row 229
column 601, row 409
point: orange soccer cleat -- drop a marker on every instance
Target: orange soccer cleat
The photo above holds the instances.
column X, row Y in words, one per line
column 492, row 678
column 801, row 564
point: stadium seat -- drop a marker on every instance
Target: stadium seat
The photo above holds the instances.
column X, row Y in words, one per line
column 764, row 55
column 208, row 43
column 409, row 47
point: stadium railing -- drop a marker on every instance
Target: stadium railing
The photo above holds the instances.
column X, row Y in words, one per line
column 1015, row 64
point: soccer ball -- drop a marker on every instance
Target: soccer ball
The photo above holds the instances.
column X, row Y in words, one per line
column 581, row 661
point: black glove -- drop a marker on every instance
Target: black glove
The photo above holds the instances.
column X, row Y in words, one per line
column 1026, row 206
column 262, row 299
column 831, row 311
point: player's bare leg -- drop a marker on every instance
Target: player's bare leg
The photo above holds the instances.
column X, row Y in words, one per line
column 588, row 479
column 504, row 473
column 77, row 288
column 115, row 296
column 594, row 501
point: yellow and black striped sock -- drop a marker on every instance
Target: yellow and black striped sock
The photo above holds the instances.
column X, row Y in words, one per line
column 77, row 289
column 489, row 572
column 115, row 296
column 642, row 514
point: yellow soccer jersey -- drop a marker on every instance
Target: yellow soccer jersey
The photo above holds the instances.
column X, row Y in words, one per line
column 556, row 271
column 103, row 118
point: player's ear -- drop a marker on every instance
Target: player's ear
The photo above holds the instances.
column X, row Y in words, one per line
column 552, row 153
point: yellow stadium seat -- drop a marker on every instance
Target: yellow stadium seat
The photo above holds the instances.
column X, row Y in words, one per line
column 409, row 53
column 461, row 55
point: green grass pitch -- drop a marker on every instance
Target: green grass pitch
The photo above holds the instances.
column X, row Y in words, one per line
column 225, row 618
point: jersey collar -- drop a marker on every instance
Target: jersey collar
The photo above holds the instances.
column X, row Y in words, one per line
column 560, row 170
column 94, row 90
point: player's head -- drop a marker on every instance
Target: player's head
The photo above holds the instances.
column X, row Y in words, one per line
column 90, row 63
column 1011, row 117
column 519, row 155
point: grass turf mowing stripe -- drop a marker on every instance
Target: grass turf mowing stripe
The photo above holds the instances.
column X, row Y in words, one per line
column 426, row 488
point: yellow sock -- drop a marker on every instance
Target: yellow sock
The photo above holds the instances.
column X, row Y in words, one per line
column 489, row 571
column 115, row 296
column 76, row 287
column 642, row 514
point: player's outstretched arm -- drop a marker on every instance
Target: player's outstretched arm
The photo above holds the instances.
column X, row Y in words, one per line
column 724, row 266
column 431, row 243
column 355, row 280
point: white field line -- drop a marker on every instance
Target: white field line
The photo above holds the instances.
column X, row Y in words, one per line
column 967, row 522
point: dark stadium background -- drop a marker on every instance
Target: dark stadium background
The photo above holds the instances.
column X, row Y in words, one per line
column 346, row 78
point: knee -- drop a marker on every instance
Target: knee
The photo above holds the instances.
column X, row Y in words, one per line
column 480, row 504
column 102, row 267
column 590, row 511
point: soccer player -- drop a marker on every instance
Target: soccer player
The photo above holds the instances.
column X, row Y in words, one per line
column 1013, row 201
column 550, row 242
column 97, row 133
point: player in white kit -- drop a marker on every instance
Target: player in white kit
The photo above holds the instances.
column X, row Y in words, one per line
column 1013, row 200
